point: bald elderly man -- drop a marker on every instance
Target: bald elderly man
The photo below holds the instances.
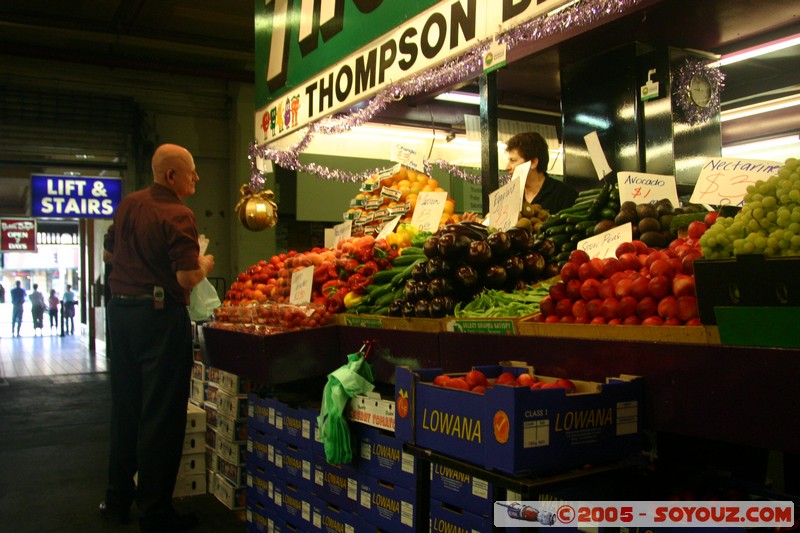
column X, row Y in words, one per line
column 155, row 259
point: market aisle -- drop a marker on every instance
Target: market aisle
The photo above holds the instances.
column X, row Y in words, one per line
column 53, row 448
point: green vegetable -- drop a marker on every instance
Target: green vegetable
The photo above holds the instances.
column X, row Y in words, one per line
column 494, row 303
column 419, row 239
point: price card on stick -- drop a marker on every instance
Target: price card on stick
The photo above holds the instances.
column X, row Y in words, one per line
column 428, row 211
column 505, row 204
column 521, row 173
column 642, row 188
column 388, row 228
column 300, row 289
column 601, row 166
column 407, row 157
column 724, row 180
column 605, row 244
column 338, row 233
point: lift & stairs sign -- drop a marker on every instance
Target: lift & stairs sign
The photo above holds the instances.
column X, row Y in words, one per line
column 74, row 196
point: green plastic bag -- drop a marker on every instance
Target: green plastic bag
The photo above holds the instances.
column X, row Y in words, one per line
column 344, row 383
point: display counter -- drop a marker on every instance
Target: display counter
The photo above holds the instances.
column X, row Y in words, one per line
column 741, row 395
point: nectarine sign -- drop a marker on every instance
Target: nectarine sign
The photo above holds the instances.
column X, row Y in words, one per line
column 317, row 58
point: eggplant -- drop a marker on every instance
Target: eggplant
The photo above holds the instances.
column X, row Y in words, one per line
column 466, row 276
column 449, row 305
column 465, row 229
column 409, row 309
column 453, row 245
column 521, row 240
column 514, row 267
column 545, row 247
column 396, row 307
column 422, row 309
column 409, row 291
column 441, row 287
column 495, row 276
column 478, row 254
column 431, row 247
column 421, row 290
column 533, row 265
column 519, row 285
column 438, row 307
column 418, row 272
column 434, row 267
column 500, row 244
column 551, row 270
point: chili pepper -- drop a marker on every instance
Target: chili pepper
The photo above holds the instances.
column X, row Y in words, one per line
column 358, row 281
column 368, row 268
column 331, row 286
column 335, row 303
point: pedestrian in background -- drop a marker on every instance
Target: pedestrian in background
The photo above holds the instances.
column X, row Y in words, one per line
column 52, row 310
column 153, row 247
column 69, row 310
column 18, row 296
column 37, row 309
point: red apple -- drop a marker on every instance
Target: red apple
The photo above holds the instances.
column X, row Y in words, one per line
column 625, row 248
column 639, row 289
column 558, row 291
column 632, row 321
column 687, row 308
column 525, row 380
column 506, row 378
column 579, row 257
column 660, row 267
column 610, row 265
column 547, row 306
column 641, row 247
column 579, row 309
column 668, row 307
column 615, row 322
column 593, row 308
column 567, row 319
column 683, row 285
column 659, row 287
column 475, row 378
column 627, row 307
column 647, row 307
column 696, row 229
column 573, row 289
column 606, row 289
column 441, row 380
column 589, row 289
column 537, row 385
column 710, row 218
column 588, row 271
column 610, row 308
column 564, row 307
column 480, row 389
column 623, row 288
column 629, row 261
column 598, row 320
column 457, row 383
column 654, row 320
column 566, row 384
column 569, row 271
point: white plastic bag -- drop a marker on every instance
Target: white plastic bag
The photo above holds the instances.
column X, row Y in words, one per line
column 203, row 299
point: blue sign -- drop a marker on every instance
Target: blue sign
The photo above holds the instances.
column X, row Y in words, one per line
column 74, row 196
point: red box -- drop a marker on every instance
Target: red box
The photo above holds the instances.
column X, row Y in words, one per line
column 517, row 430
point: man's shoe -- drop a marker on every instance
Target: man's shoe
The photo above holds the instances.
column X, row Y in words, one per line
column 172, row 522
column 113, row 513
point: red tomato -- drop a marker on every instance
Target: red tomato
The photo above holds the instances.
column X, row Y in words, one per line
column 567, row 385
column 475, row 378
column 506, row 378
column 525, row 380
column 457, row 383
column 441, row 380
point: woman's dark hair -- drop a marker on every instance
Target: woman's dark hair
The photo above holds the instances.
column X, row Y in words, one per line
column 530, row 145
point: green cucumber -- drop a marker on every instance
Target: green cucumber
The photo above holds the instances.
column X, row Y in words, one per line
column 384, row 276
column 405, row 260
column 411, row 250
column 584, row 225
column 556, row 230
column 559, row 239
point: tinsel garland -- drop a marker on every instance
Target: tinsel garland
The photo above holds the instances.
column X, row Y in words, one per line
column 460, row 68
column 690, row 112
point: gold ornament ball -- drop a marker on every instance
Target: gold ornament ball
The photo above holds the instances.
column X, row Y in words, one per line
column 257, row 211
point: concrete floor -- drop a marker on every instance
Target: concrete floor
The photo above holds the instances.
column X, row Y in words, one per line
column 54, row 443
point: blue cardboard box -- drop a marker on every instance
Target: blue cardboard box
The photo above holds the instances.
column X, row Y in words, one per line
column 517, row 430
column 260, row 450
column 447, row 517
column 337, row 484
column 381, row 455
column 296, row 465
column 296, row 425
column 330, row 519
column 261, row 488
column 295, row 505
column 386, row 506
column 260, row 519
column 462, row 490
column 261, row 413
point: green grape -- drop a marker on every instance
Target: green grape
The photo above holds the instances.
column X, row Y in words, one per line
column 769, row 202
column 794, row 243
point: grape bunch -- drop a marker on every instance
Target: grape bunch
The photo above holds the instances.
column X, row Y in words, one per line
column 768, row 223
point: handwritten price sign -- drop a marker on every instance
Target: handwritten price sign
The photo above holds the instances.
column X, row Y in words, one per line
column 724, row 180
column 429, row 209
column 605, row 244
column 300, row 290
column 505, row 204
column 645, row 188
column 407, row 157
column 340, row 232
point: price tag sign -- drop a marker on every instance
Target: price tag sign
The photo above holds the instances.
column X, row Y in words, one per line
column 605, row 244
column 495, row 56
column 521, row 173
column 407, row 157
column 300, row 290
column 505, row 204
column 642, row 188
column 388, row 228
column 601, row 166
column 429, row 209
column 724, row 180
column 340, row 232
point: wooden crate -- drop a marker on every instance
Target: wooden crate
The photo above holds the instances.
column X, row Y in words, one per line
column 674, row 334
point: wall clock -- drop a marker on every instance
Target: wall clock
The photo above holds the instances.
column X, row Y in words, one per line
column 696, row 91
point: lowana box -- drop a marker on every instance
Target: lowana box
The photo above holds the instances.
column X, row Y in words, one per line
column 296, row 465
column 295, row 505
column 462, row 489
column 388, row 507
column 195, row 419
column 259, row 519
column 260, row 487
column 261, row 450
column 261, row 412
column 331, row 519
column 296, row 425
column 381, row 456
column 518, row 430
column 448, row 517
column 337, row 484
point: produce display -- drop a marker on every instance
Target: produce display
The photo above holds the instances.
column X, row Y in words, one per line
column 463, row 260
column 477, row 382
column 593, row 213
column 641, row 285
column 390, row 194
column 768, row 222
column 268, row 318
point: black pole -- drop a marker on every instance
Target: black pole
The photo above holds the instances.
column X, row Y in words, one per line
column 62, row 318
column 488, row 125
